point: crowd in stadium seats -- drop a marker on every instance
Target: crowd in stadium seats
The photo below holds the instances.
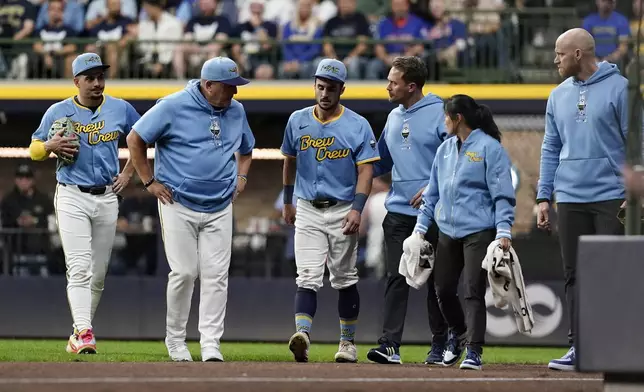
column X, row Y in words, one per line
column 272, row 38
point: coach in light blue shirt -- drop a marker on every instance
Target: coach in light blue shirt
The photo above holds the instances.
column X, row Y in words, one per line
column 197, row 133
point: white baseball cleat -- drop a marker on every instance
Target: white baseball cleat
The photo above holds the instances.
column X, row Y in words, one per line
column 82, row 342
column 299, row 345
column 72, row 342
column 178, row 351
column 211, row 354
column 347, row 352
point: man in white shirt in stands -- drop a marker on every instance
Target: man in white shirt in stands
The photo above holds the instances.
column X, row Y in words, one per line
column 162, row 27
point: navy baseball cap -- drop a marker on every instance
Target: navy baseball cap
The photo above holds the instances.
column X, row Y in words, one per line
column 224, row 70
column 332, row 69
column 87, row 61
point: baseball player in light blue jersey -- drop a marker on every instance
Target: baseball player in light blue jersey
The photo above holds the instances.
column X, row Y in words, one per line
column 197, row 132
column 329, row 153
column 86, row 201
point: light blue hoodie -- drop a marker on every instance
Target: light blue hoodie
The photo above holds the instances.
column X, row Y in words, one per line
column 193, row 160
column 470, row 190
column 583, row 150
column 407, row 147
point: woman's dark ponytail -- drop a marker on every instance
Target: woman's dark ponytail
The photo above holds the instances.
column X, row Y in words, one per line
column 485, row 121
column 475, row 115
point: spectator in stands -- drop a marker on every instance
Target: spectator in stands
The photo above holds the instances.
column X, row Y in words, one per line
column 300, row 59
column 17, row 19
column 348, row 24
column 610, row 30
column 99, row 11
column 254, row 56
column 138, row 217
column 114, row 32
column 73, row 15
column 279, row 12
column 402, row 26
column 53, row 55
column 27, row 208
column 483, row 21
column 447, row 37
column 209, row 33
column 158, row 31
column 188, row 9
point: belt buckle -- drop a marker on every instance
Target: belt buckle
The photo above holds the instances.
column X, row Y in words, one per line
column 97, row 190
column 322, row 203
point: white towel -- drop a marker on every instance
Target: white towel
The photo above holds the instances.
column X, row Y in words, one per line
column 506, row 281
column 417, row 261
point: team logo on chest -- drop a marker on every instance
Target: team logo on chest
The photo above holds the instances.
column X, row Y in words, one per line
column 93, row 131
column 581, row 107
column 215, row 129
column 405, row 135
column 323, row 148
column 473, row 156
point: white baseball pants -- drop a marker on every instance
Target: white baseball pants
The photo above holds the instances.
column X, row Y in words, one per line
column 196, row 245
column 318, row 241
column 86, row 226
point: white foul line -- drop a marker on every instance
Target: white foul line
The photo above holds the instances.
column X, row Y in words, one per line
column 145, row 380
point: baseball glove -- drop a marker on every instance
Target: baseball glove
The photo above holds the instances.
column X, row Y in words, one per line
column 67, row 125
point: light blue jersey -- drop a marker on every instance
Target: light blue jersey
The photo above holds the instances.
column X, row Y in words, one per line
column 327, row 153
column 584, row 146
column 196, row 146
column 470, row 190
column 99, row 131
column 407, row 147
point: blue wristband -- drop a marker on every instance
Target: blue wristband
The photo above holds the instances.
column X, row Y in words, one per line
column 288, row 194
column 359, row 201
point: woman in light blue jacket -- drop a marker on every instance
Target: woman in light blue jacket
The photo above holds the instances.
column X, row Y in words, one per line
column 471, row 198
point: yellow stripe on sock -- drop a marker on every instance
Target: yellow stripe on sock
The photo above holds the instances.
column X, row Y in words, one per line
column 303, row 317
column 348, row 322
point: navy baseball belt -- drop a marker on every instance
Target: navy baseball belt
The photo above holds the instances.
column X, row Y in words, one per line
column 323, row 203
column 94, row 190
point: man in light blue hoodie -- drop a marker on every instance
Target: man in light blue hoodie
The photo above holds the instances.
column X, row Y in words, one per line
column 197, row 133
column 582, row 156
column 407, row 146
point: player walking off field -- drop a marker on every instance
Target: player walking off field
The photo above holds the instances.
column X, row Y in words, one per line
column 197, row 132
column 582, row 156
column 329, row 153
column 407, row 147
column 471, row 199
column 83, row 131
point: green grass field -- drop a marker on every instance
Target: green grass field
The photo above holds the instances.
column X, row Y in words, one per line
column 126, row 351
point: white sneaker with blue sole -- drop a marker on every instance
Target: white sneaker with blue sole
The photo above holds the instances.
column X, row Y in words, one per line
column 565, row 363
column 472, row 361
column 454, row 350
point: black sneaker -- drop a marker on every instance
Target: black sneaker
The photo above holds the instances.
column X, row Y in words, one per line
column 385, row 354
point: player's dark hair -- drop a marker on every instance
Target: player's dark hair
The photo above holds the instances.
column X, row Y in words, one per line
column 476, row 116
column 413, row 69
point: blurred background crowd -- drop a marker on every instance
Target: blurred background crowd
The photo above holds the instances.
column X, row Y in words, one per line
column 284, row 39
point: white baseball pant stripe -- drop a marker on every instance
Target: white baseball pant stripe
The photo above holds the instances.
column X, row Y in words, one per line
column 86, row 226
column 196, row 245
column 318, row 241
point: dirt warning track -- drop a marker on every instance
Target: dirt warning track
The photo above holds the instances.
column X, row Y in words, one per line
column 284, row 377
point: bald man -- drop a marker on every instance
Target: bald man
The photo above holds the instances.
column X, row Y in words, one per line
column 582, row 156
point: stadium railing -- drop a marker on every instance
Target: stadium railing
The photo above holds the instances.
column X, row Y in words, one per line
column 520, row 51
column 38, row 252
